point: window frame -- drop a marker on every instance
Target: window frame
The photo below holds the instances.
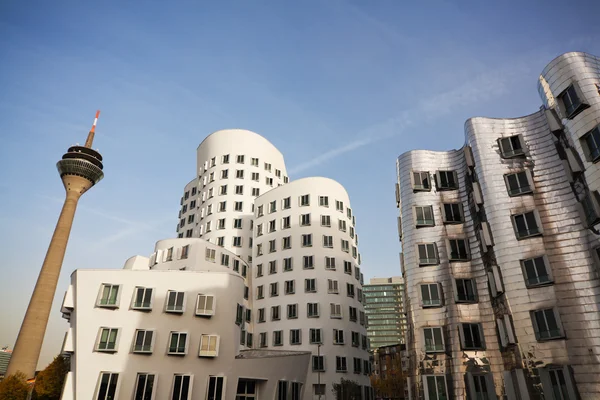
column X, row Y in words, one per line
column 117, row 385
column 117, row 298
column 211, row 353
column 572, row 112
column 183, row 301
column 438, row 348
column 512, row 153
column 536, row 215
column 440, row 295
column 143, row 306
column 457, row 299
column 177, row 353
column 460, row 213
column 522, row 190
column 467, row 247
column 415, row 186
column 430, row 261
column 137, row 383
column 438, row 180
column 421, row 223
column 561, row 332
column 134, row 348
column 461, row 332
column 115, row 343
column 205, row 312
column 529, row 280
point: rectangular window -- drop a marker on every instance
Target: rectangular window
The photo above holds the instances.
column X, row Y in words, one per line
column 318, row 389
column 107, row 386
column 591, row 144
column 277, row 338
column 223, row 190
column 315, row 336
column 423, row 216
column 435, row 387
column 144, row 386
column 336, row 310
column 546, row 324
column 239, row 173
column 290, row 287
column 221, row 223
column 142, row 299
column 459, row 250
column 325, row 220
column 263, row 339
column 286, row 243
column 310, row 285
column 330, row 263
column 287, row 203
column 511, row 146
column 355, row 339
column 238, row 206
column 465, row 290
column 216, row 387
column 526, row 225
column 255, row 176
column 275, row 314
column 307, row 240
column 342, row 225
column 225, row 174
column 312, row 310
column 332, row 286
column 209, row 346
column 287, row 263
column 327, row 241
column 292, row 311
column 107, row 339
column 274, row 289
column 446, row 180
column 471, row 337
column 519, row 183
column 237, row 241
column 261, row 315
column 340, row 364
column 222, row 208
column 225, row 159
column 143, row 341
column 239, row 189
column 254, row 162
column 349, row 290
column 453, row 213
column 421, row 180
column 348, row 267
column 572, row 102
column 255, row 192
column 308, row 262
column 558, row 381
column 259, row 250
column 175, row 301
column 205, row 305
column 177, row 343
column 304, row 200
column 286, row 222
column 295, row 336
column 109, row 295
column 434, row 339
column 339, row 206
column 268, row 167
column 259, row 292
column 304, row 219
column 272, row 246
column 210, row 254
column 225, row 259
column 338, row 336
column 430, row 295
column 536, row 271
column 318, row 363
column 590, row 206
column 353, row 314
column 357, row 365
column 273, row 206
column 427, row 254
column 323, row 201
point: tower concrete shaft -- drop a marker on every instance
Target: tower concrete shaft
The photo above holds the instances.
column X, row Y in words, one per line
column 80, row 169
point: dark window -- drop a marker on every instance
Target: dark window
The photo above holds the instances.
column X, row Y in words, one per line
column 427, row 254
column 472, row 336
column 458, row 250
column 430, row 295
column 591, row 144
column 447, row 180
column 421, row 181
column 108, row 386
column 465, row 291
column 424, row 216
column 571, row 101
column 526, row 225
column 511, row 146
column 536, row 271
column 453, row 213
column 144, row 387
column 518, row 184
column 215, row 388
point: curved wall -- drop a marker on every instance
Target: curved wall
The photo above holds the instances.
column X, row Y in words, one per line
column 313, row 187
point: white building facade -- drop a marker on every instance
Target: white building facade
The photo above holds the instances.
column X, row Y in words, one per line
column 259, row 297
column 500, row 250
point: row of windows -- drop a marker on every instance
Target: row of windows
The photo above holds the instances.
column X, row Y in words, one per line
column 182, row 387
column 310, row 286
column 315, row 337
column 465, row 291
column 306, row 240
column 313, row 310
column 319, row 365
column 182, row 253
column 144, row 341
column 308, row 262
column 304, row 220
column 304, row 201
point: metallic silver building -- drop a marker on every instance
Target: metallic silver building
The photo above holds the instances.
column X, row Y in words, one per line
column 500, row 250
column 385, row 311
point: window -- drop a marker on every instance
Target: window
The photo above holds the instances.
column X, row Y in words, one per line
column 519, row 183
column 254, row 162
column 107, row 386
column 273, row 206
column 109, row 296
column 325, row 220
column 332, row 286
column 210, row 254
column 224, row 258
column 357, row 365
column 240, row 159
column 323, row 201
column 446, row 180
column 318, row 363
column 261, row 315
column 237, row 241
column 481, row 386
column 423, row 216
column 272, row 246
column 318, row 389
column 590, row 207
column 558, row 381
column 225, row 159
column 295, row 336
column 221, row 223
column 340, row 364
column 420, row 180
column 221, row 243
column 315, row 336
column 292, row 311
column 434, row 340
column 238, row 206
column 246, row 390
column 290, row 287
column 338, row 336
column 427, row 254
column 142, row 342
column 222, row 207
column 339, row 206
column 458, row 250
column 287, row 203
column 255, row 176
column 591, row 144
column 225, row 174
column 452, row 213
column 205, row 305
column 259, row 292
column 342, row 225
column 255, row 192
column 307, row 240
column 275, row 314
column 546, row 324
column 310, row 285
column 312, row 310
column 465, row 290
column 222, row 190
column 330, row 263
column 336, row 310
column 144, row 387
column 259, row 250
column 349, row 290
column 287, row 263
column 430, row 295
column 142, row 299
column 213, row 162
column 304, row 200
column 216, row 385
column 267, row 167
column 107, row 339
column 527, row 224
column 175, row 302
column 286, row 222
column 536, row 271
column 278, row 173
column 263, row 339
column 209, row 346
column 572, row 102
column 274, row 289
column 327, row 241
column 471, row 337
column 512, row 146
column 435, row 387
column 249, row 338
column 353, row 315
column 304, row 219
column 177, row 343
column 277, row 338
column 239, row 189
column 348, row 267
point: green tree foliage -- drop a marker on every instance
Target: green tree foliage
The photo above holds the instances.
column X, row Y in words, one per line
column 14, row 387
column 49, row 382
column 346, row 390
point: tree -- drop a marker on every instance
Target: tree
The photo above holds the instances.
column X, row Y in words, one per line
column 14, row 387
column 49, row 382
column 346, row 390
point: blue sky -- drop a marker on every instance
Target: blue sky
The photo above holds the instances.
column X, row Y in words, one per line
column 340, row 87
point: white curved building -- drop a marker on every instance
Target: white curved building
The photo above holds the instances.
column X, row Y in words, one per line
column 263, row 284
column 500, row 247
